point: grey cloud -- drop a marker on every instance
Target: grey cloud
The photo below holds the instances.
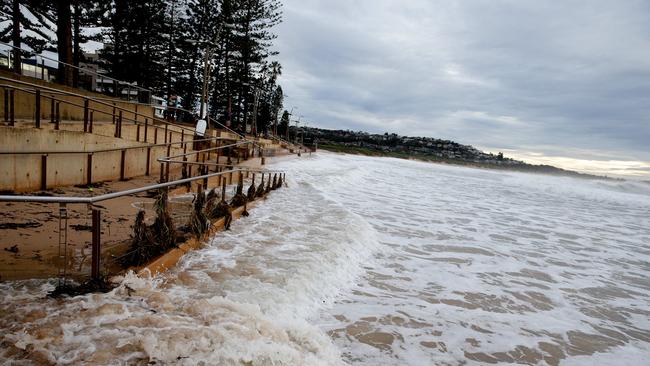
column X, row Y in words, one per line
column 564, row 76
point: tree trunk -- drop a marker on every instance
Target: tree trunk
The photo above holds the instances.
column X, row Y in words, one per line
column 64, row 41
column 15, row 35
column 77, row 40
column 170, row 51
column 189, row 97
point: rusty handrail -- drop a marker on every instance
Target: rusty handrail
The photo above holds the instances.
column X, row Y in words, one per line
column 50, row 90
column 109, row 150
column 168, row 158
column 248, row 169
column 109, row 105
column 109, row 196
column 85, row 70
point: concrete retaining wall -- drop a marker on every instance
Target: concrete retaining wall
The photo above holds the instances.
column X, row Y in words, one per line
column 22, row 173
column 25, row 102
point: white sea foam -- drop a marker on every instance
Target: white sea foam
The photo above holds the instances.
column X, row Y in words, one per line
column 378, row 261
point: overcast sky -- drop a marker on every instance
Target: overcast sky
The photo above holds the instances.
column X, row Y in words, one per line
column 562, row 82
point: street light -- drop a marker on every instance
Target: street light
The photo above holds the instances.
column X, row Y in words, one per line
column 255, row 103
column 209, row 52
column 297, row 122
column 289, row 122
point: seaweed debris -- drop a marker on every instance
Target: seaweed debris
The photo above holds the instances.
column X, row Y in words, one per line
column 150, row 241
column 101, row 285
column 199, row 222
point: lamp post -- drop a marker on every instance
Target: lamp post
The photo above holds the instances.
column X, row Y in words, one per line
column 297, row 122
column 302, row 133
column 209, row 52
column 255, row 103
column 289, row 122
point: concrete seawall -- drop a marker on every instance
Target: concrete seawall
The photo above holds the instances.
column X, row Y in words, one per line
column 25, row 102
column 24, row 172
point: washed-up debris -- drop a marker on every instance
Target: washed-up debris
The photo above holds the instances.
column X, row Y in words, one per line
column 19, row 225
column 199, row 222
column 81, row 227
column 261, row 190
column 13, row 249
column 150, row 241
column 251, row 190
column 239, row 199
column 71, row 289
column 222, row 209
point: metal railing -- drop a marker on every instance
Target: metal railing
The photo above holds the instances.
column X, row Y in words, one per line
column 118, row 114
column 96, row 251
column 91, row 155
column 117, row 84
column 49, row 93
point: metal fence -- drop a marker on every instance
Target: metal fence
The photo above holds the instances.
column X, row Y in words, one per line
column 34, row 65
column 97, row 268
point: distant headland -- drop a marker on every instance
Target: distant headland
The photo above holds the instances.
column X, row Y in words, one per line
column 425, row 149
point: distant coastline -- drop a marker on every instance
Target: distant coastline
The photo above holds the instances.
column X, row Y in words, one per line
column 525, row 167
column 427, row 149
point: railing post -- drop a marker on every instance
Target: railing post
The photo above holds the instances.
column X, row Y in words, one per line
column 146, row 125
column 57, row 123
column 148, row 160
column 122, row 164
column 162, row 172
column 89, row 169
column 137, row 134
column 85, row 115
column 43, row 172
column 155, row 135
column 37, row 109
column 204, row 171
column 113, row 112
column 96, row 244
column 117, row 128
column 11, row 108
column 52, row 105
column 166, row 133
column 90, row 125
column 169, row 147
column 216, row 168
column 42, row 69
column 6, row 105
